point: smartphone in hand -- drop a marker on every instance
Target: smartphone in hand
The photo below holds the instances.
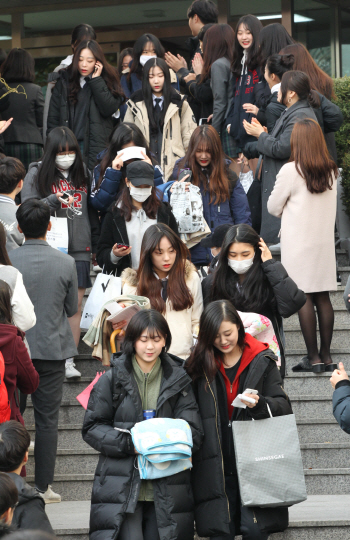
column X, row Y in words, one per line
column 183, row 173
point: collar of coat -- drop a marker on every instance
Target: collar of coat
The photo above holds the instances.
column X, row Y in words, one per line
column 129, row 275
column 175, row 97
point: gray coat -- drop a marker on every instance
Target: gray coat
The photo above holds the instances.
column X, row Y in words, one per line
column 51, row 281
column 220, row 81
column 276, row 151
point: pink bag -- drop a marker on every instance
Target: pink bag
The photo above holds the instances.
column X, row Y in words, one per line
column 83, row 398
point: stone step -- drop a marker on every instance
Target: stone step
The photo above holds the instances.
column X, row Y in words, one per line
column 337, row 297
column 295, row 340
column 325, row 455
column 293, row 357
column 69, row 436
column 70, row 461
column 341, row 317
column 71, row 487
column 344, row 272
column 327, row 481
column 320, row 430
column 87, row 365
column 305, row 407
column 71, row 412
column 73, row 387
column 308, row 384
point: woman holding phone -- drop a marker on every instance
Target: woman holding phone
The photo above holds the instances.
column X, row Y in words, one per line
column 86, row 98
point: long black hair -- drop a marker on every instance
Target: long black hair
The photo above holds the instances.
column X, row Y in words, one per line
column 272, row 39
column 278, row 64
column 5, row 303
column 60, row 139
column 123, row 134
column 205, row 355
column 299, row 82
column 147, row 91
column 80, row 33
column 4, row 257
column 139, row 46
column 254, row 293
column 253, row 24
column 147, row 319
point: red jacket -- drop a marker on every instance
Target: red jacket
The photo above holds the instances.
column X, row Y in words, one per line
column 251, row 349
column 19, row 370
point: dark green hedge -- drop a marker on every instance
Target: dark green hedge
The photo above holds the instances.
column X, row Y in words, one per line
column 342, row 137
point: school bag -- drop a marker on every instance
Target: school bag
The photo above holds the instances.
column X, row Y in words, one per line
column 5, row 409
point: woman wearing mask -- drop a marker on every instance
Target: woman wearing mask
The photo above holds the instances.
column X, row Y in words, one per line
column 224, row 363
column 137, row 208
column 162, row 114
column 85, row 98
column 146, row 47
column 20, row 374
column 295, row 93
column 139, row 509
column 109, row 174
column 305, row 197
column 62, row 172
column 253, row 281
column 22, row 309
column 245, row 78
column 329, row 115
column 125, row 58
column 23, row 138
column 224, row 199
column 171, row 283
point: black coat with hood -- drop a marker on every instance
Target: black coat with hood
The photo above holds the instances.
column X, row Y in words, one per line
column 117, row 481
column 102, row 104
column 215, row 460
column 285, row 298
column 114, row 232
column 30, row 511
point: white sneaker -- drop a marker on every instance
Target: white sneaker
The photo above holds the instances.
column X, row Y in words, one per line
column 32, row 445
column 71, row 371
column 276, row 248
column 97, row 269
column 50, row 496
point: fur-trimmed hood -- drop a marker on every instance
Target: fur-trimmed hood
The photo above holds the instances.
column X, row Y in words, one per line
column 129, row 275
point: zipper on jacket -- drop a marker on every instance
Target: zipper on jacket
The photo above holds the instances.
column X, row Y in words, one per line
column 254, row 517
column 171, row 129
column 218, row 434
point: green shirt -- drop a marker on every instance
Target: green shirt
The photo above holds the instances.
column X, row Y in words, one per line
column 149, row 387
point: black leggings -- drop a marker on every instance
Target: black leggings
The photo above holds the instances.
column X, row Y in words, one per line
column 141, row 525
column 249, row 525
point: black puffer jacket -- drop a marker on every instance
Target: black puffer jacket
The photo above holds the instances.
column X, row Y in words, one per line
column 114, row 232
column 99, row 122
column 210, row 462
column 117, row 482
column 30, row 511
column 285, row 298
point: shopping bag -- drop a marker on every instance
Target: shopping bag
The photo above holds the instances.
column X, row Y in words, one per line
column 57, row 237
column 269, row 466
column 84, row 396
column 104, row 289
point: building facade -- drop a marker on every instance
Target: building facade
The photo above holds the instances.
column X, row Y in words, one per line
column 43, row 27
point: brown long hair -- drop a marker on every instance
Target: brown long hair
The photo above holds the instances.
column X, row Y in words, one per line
column 179, row 295
column 303, row 61
column 218, row 43
column 5, row 303
column 150, row 205
column 109, row 73
column 299, row 82
column 208, row 138
column 4, row 258
column 311, row 156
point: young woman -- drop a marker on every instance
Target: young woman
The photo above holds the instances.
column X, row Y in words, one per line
column 23, row 138
column 224, row 199
column 109, row 174
column 246, row 76
column 162, row 114
column 295, row 93
column 137, row 208
column 19, row 370
column 61, row 172
column 140, row 509
column 215, row 73
column 147, row 46
column 125, row 58
column 329, row 115
column 86, row 97
column 171, row 283
column 224, row 363
column 22, row 309
column 305, row 197
column 253, row 281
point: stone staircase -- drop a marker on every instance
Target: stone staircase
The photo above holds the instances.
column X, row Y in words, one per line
column 325, row 447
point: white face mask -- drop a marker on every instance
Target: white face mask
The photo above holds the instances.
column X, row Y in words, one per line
column 240, row 267
column 144, row 58
column 140, row 194
column 64, row 162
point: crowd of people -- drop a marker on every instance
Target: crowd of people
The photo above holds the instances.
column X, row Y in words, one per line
column 247, row 126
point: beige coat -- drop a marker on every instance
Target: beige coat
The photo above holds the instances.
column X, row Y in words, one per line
column 176, row 131
column 182, row 324
column 307, row 230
